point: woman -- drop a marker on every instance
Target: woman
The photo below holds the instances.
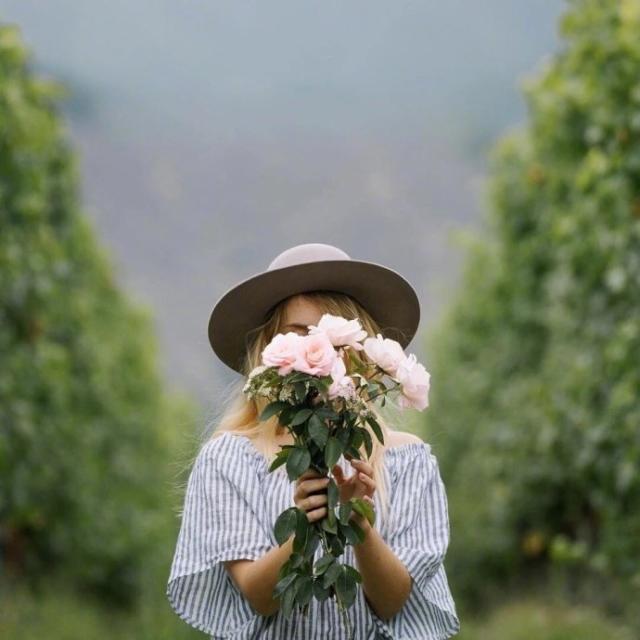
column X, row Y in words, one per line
column 226, row 560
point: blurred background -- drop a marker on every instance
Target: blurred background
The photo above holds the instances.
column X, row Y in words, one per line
column 152, row 154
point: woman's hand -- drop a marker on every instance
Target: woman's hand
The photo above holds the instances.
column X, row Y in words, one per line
column 359, row 484
column 310, row 494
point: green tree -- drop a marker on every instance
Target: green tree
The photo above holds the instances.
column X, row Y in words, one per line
column 85, row 424
column 536, row 365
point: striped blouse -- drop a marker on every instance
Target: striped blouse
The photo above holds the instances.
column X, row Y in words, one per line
column 231, row 504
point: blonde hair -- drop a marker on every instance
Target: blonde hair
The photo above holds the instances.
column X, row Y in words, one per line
column 240, row 415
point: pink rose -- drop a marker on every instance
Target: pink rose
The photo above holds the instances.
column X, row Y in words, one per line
column 340, row 331
column 342, row 386
column 386, row 353
column 414, row 380
column 283, row 352
column 316, row 355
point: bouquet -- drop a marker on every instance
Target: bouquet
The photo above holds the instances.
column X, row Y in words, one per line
column 322, row 393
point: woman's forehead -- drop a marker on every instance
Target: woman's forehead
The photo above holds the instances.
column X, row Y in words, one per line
column 297, row 309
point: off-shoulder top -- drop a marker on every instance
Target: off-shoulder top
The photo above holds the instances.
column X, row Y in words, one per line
column 230, row 506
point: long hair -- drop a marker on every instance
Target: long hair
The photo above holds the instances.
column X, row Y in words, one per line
column 240, row 415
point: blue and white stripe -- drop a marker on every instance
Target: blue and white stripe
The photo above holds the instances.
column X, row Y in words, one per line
column 230, row 506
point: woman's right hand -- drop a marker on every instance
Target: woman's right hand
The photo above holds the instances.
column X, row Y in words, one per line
column 310, row 494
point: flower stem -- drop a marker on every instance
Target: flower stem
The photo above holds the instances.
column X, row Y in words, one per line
column 386, row 390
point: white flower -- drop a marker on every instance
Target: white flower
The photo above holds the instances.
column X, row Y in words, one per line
column 257, row 370
column 285, row 394
column 385, row 352
column 415, row 381
column 340, row 331
column 282, row 352
column 342, row 386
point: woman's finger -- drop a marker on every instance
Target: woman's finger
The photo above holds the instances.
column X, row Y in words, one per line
column 362, row 465
column 315, row 484
column 368, row 480
column 316, row 514
column 310, row 502
column 310, row 473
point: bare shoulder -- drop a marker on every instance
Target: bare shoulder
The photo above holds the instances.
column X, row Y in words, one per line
column 397, row 438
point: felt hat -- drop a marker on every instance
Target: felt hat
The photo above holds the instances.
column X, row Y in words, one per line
column 384, row 293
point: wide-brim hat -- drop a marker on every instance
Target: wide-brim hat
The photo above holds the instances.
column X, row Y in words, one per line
column 385, row 294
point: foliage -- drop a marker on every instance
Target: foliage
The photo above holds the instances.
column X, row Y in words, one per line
column 536, row 363
column 322, row 430
column 57, row 612
column 322, row 387
column 84, row 438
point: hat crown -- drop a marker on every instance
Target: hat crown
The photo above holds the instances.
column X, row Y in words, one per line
column 310, row 252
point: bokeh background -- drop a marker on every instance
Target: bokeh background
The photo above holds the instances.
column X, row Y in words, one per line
column 152, row 154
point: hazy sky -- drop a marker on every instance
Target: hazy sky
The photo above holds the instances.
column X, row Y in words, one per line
column 294, row 63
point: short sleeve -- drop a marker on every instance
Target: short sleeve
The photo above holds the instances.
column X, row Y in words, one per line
column 418, row 534
column 220, row 521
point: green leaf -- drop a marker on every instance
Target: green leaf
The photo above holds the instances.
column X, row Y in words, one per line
column 296, row 560
column 352, row 532
column 272, row 408
column 298, row 462
column 280, row 459
column 336, row 546
column 352, row 571
column 304, row 590
column 333, row 495
column 318, row 431
column 303, row 527
column 326, row 413
column 332, row 452
column 312, row 543
column 282, row 584
column 368, row 443
column 323, row 564
column 364, row 509
column 322, row 383
column 287, row 602
column 344, row 435
column 357, row 438
column 296, row 376
column 331, row 574
column 319, row 592
column 287, row 414
column 353, row 452
column 285, row 525
column 300, row 390
column 301, row 416
column 344, row 511
column 376, row 428
column 346, row 587
column 330, row 525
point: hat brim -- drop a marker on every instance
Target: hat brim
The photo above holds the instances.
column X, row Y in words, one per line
column 384, row 293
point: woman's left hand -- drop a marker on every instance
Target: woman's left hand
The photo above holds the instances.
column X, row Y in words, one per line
column 359, row 484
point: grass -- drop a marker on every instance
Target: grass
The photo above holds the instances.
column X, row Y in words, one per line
column 534, row 620
column 60, row 614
